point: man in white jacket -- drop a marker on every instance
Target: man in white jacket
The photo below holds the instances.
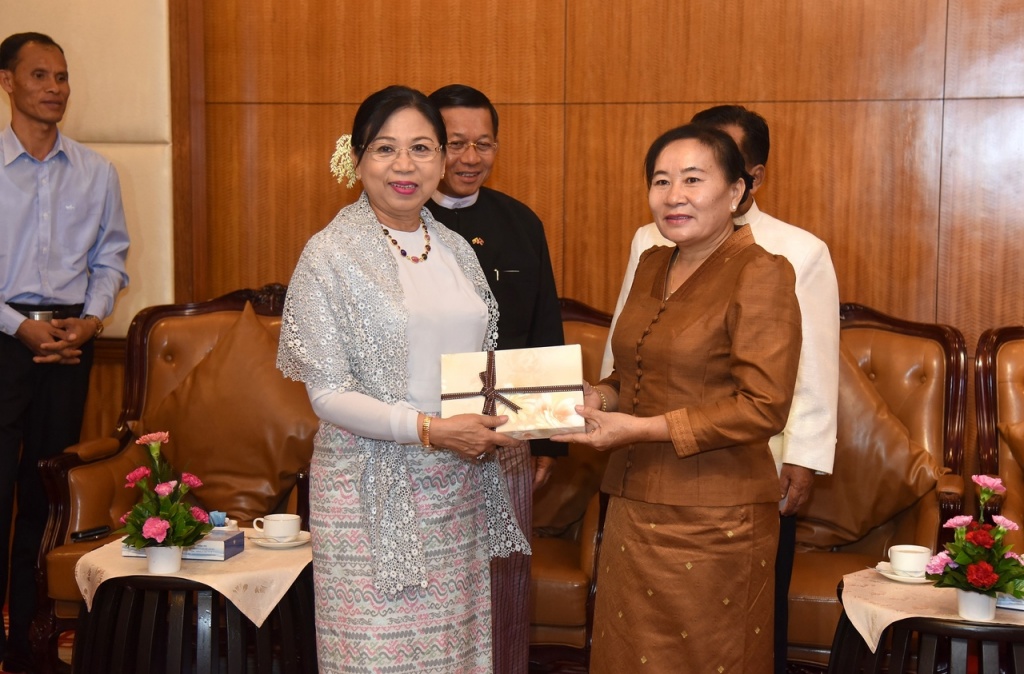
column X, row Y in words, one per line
column 807, row 445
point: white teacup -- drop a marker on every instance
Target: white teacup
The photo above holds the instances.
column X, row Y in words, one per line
column 280, row 527
column 909, row 560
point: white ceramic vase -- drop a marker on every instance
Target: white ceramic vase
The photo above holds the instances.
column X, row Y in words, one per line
column 975, row 606
column 164, row 560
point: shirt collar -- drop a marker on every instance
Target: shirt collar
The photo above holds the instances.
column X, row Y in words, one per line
column 750, row 216
column 12, row 147
column 453, row 203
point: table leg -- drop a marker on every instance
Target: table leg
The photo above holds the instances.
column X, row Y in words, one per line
column 900, row 655
column 265, row 648
column 178, row 640
column 958, row 655
column 206, row 633
column 236, row 639
column 85, row 640
column 306, row 625
column 123, row 645
column 848, row 648
column 989, row 657
column 927, row 652
column 1018, row 658
column 151, row 611
column 290, row 657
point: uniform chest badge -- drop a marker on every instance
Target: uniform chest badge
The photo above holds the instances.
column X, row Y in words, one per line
column 477, row 241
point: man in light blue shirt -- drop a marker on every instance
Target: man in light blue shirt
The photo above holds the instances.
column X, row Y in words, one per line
column 63, row 243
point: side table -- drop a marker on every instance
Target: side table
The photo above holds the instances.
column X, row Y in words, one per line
column 925, row 636
column 250, row 613
column 168, row 624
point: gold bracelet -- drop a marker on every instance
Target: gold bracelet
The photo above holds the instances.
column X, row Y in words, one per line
column 425, row 431
column 604, row 400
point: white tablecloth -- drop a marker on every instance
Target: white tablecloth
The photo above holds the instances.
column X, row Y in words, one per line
column 873, row 602
column 254, row 580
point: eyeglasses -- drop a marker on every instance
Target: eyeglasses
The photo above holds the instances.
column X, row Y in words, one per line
column 484, row 147
column 386, row 152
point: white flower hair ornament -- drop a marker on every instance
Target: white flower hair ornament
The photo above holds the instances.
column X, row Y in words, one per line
column 341, row 161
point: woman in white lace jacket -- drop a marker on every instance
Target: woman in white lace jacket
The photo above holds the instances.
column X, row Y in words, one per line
column 406, row 507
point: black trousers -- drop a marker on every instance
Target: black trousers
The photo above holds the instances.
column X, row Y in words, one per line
column 783, row 572
column 41, row 410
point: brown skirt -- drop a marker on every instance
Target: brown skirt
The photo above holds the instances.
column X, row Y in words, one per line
column 686, row 589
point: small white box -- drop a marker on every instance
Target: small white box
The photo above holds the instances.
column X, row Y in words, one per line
column 553, row 376
column 217, row 546
column 1004, row 600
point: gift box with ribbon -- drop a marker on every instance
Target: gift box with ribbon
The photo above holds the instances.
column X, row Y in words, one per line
column 537, row 388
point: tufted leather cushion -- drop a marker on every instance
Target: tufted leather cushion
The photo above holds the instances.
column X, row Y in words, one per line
column 1009, row 419
column 875, row 445
column 1013, row 436
column 238, row 424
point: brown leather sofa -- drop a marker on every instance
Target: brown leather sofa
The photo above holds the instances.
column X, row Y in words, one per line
column 897, row 471
column 566, row 524
column 999, row 397
column 206, row 373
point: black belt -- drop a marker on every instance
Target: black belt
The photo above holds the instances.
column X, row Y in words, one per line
column 56, row 310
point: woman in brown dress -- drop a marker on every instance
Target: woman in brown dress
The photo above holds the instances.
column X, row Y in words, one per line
column 706, row 353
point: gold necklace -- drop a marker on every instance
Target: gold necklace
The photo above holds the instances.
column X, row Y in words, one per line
column 412, row 258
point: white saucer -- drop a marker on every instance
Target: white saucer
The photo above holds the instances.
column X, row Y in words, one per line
column 279, row 545
column 886, row 570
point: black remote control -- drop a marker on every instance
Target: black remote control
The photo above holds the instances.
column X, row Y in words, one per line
column 90, row 534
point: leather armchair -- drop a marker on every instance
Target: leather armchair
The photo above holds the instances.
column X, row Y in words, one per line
column 999, row 397
column 566, row 519
column 897, row 474
column 206, row 373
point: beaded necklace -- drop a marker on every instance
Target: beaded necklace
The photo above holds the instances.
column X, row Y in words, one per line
column 412, row 258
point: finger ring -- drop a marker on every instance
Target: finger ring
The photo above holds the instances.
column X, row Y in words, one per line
column 482, row 456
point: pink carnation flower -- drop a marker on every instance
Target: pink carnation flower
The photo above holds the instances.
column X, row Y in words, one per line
column 1013, row 555
column 133, row 477
column 989, row 482
column 165, row 488
column 957, row 522
column 124, row 518
column 939, row 562
column 1009, row 525
column 200, row 514
column 191, row 480
column 150, row 438
column 156, row 528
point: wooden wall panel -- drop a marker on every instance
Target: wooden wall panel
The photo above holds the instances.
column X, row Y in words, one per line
column 982, row 231
column 606, row 194
column 984, row 49
column 270, row 188
column 861, row 176
column 864, row 178
column 654, row 51
column 267, row 198
column 338, row 52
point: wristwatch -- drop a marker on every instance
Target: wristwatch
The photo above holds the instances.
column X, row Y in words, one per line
column 99, row 324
